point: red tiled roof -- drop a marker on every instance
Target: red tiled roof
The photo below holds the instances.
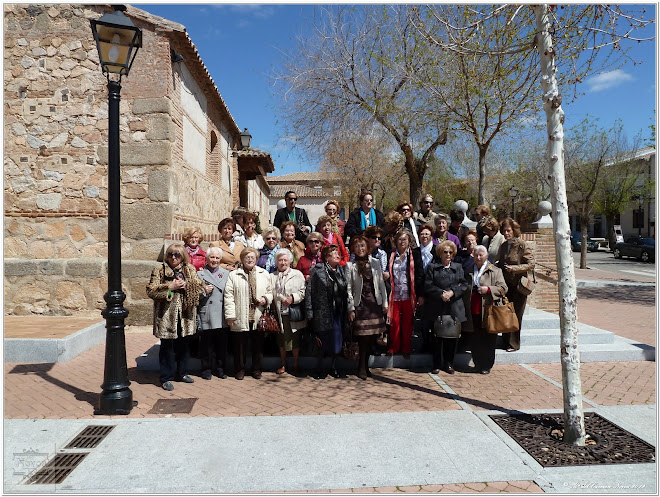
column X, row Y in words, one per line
column 278, row 191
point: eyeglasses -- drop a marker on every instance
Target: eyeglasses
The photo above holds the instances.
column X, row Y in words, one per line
column 172, row 255
column 405, row 210
column 314, row 241
column 428, row 202
column 368, row 199
column 292, row 198
column 375, row 238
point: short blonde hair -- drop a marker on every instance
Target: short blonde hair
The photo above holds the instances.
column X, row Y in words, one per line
column 439, row 249
column 189, row 232
column 248, row 250
column 178, row 248
column 271, row 230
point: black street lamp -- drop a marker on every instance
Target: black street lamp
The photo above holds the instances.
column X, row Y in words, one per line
column 117, row 40
column 513, row 193
column 245, row 139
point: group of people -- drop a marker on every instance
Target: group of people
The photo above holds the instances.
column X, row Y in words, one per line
column 399, row 269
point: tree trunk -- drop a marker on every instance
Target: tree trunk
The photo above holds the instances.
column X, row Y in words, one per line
column 609, row 221
column 416, row 181
column 482, row 174
column 584, row 225
column 570, row 356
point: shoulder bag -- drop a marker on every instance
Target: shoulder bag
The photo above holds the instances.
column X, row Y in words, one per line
column 526, row 286
column 501, row 318
column 296, row 312
column 350, row 350
column 446, row 326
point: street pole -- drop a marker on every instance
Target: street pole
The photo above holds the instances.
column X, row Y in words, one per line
column 116, row 397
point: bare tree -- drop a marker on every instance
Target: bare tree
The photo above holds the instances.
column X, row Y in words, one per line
column 358, row 64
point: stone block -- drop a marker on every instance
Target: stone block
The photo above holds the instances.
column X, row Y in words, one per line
column 51, row 267
column 137, row 288
column 159, row 185
column 34, row 292
column 49, row 201
column 41, row 249
column 141, row 221
column 140, row 154
column 140, row 312
column 161, row 127
column 55, row 230
column 70, row 295
column 137, row 269
column 147, row 250
column 133, row 191
column 66, row 250
column 152, row 106
column 86, row 267
column 77, row 234
column 20, row 267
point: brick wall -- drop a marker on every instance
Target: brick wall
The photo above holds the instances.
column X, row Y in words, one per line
column 546, row 294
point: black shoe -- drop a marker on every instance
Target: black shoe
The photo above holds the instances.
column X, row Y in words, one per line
column 222, row 376
column 186, row 379
column 168, row 386
column 342, row 374
column 485, row 371
column 206, row 375
column 369, row 373
column 334, row 373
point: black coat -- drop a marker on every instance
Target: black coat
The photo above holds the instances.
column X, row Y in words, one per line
column 436, row 281
column 319, row 298
column 282, row 215
column 354, row 223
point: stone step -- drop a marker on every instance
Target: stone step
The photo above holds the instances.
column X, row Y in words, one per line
column 550, row 336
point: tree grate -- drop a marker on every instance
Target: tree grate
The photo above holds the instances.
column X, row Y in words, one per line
column 173, row 406
column 541, row 436
column 57, row 469
column 90, row 437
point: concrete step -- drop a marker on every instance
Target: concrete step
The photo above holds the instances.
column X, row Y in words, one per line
column 550, row 336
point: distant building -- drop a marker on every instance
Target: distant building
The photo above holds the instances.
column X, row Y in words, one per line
column 313, row 189
column 181, row 158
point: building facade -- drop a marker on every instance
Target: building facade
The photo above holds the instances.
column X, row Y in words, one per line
column 181, row 158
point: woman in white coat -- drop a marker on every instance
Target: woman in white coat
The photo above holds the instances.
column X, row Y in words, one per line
column 247, row 294
column 288, row 287
column 367, row 308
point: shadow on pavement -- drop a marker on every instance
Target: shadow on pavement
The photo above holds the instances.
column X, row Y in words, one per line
column 642, row 295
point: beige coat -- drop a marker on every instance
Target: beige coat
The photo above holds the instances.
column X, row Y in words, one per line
column 294, row 284
column 355, row 284
column 231, row 259
column 169, row 306
column 520, row 258
column 237, row 297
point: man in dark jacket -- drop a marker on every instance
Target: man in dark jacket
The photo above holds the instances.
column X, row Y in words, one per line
column 295, row 214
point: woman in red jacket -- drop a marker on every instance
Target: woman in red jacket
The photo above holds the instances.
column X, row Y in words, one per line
column 192, row 237
column 324, row 225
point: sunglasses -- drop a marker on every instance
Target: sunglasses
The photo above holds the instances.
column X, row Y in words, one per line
column 368, row 199
column 271, row 238
column 292, row 198
column 405, row 210
column 447, row 252
column 427, row 202
column 314, row 241
column 172, row 255
column 375, row 238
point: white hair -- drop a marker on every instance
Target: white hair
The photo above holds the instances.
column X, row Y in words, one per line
column 284, row 251
column 480, row 247
column 214, row 249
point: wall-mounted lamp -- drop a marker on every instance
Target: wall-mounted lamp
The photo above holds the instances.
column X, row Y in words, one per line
column 175, row 56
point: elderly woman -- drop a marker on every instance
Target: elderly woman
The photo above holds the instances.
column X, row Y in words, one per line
column 487, row 284
column 175, row 289
column 481, row 215
column 364, row 216
column 338, row 226
column 266, row 259
column 493, row 239
column 249, row 237
column 444, row 286
column 393, row 224
column 288, row 287
column 369, row 302
column 515, row 260
column 426, row 244
column 465, row 257
column 237, row 214
column 312, row 255
column 289, row 241
column 192, row 237
column 374, row 236
column 327, row 301
column 441, row 234
column 247, row 294
column 231, row 249
column 214, row 334
column 407, row 279
column 324, row 226
column 406, row 211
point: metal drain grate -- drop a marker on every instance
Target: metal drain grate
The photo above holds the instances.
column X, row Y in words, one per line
column 541, row 436
column 173, row 406
column 57, row 469
column 90, row 437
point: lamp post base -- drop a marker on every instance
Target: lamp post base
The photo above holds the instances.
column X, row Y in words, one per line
column 120, row 402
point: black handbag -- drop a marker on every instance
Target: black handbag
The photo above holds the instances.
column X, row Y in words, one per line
column 446, row 326
column 296, row 312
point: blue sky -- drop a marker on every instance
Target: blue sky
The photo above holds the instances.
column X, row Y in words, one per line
column 241, row 45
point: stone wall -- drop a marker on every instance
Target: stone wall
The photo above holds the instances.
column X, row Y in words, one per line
column 55, row 140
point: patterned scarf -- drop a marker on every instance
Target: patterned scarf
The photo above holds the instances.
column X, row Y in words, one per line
column 279, row 287
column 252, row 284
column 194, row 285
column 190, row 251
column 270, row 262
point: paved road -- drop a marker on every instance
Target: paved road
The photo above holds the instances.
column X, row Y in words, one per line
column 604, row 260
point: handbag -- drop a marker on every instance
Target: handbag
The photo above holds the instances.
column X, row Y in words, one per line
column 446, row 326
column 350, row 349
column 296, row 312
column 501, row 318
column 381, row 341
column 268, row 323
column 526, row 286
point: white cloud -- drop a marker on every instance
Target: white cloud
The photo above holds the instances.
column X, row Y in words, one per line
column 608, row 80
column 250, row 10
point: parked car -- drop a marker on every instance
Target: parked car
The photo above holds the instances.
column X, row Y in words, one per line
column 636, row 246
column 576, row 242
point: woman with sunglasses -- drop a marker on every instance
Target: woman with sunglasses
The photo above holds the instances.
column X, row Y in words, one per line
column 364, row 216
column 424, row 214
column 175, row 289
column 374, row 236
column 312, row 255
column 406, row 211
column 271, row 236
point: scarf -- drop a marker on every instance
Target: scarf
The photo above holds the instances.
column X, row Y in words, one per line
column 315, row 259
column 339, row 288
column 427, row 254
column 476, row 279
column 270, row 262
column 194, row 285
column 252, row 284
column 411, row 274
column 279, row 289
column 293, row 249
column 372, row 219
column 329, row 239
column 190, row 251
column 362, row 265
